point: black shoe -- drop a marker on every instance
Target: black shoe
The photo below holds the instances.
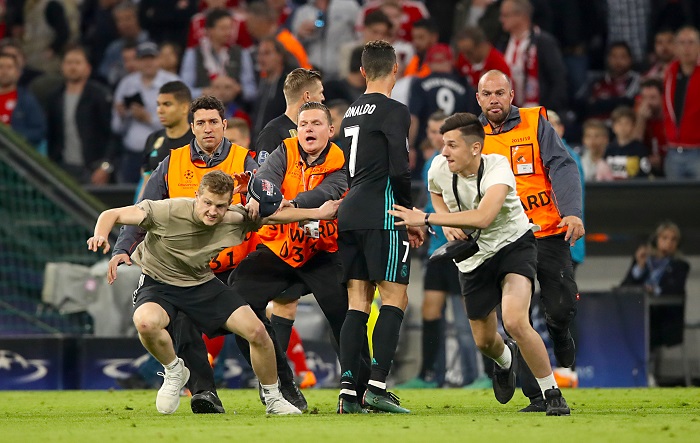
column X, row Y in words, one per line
column 564, row 348
column 537, row 405
column 504, row 379
column 556, row 404
column 294, row 396
column 206, row 402
column 386, row 402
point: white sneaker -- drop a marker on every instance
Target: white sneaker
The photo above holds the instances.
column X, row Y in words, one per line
column 168, row 398
column 280, row 406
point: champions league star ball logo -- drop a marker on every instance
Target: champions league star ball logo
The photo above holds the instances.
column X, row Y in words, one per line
column 189, row 175
column 17, row 369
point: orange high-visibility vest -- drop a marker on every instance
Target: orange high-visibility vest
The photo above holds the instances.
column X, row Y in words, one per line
column 183, row 180
column 415, row 68
column 288, row 241
column 521, row 147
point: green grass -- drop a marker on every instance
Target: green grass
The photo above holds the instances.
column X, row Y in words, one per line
column 440, row 415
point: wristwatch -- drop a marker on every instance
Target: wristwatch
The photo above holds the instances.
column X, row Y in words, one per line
column 107, row 167
column 294, row 203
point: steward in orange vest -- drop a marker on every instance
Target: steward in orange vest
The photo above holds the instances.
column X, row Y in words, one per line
column 309, row 170
column 545, row 174
column 290, row 242
column 179, row 175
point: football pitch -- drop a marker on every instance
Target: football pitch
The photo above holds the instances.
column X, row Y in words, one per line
column 438, row 415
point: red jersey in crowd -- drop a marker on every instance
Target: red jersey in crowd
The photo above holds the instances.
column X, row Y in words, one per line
column 8, row 101
column 494, row 60
column 412, row 12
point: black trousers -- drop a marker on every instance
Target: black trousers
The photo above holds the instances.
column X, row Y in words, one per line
column 190, row 346
column 558, row 296
column 262, row 277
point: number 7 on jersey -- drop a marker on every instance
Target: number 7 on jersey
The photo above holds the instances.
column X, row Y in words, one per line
column 354, row 132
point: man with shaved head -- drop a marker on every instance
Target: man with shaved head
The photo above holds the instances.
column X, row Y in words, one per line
column 548, row 184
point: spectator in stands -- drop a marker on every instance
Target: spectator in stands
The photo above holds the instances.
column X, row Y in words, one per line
column 408, row 13
column 97, row 27
column 626, row 155
column 19, row 109
column 682, row 108
column 238, row 132
column 228, row 90
column 376, row 26
column 165, row 20
column 322, row 26
column 424, row 34
column 534, row 58
column 399, row 40
column 125, row 14
column 650, row 122
column 49, row 26
column 79, row 115
column 135, row 114
column 239, row 33
column 273, row 70
column 441, row 90
column 213, row 56
column 628, row 21
column 658, row 267
column 352, row 85
column 27, row 73
column 595, row 141
column 170, row 57
column 262, row 23
column 617, row 86
column 663, row 54
column 476, row 55
column 337, row 108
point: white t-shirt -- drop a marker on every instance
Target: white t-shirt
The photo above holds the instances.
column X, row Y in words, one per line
column 510, row 223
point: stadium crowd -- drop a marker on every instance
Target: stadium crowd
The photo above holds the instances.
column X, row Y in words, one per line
column 82, row 76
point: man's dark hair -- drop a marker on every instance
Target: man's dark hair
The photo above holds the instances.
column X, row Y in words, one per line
column 356, row 59
column 428, row 24
column 316, row 105
column 620, row 44
column 378, row 59
column 467, row 123
column 217, row 182
column 473, row 33
column 376, row 17
column 11, row 57
column 74, row 47
column 652, row 83
column 214, row 16
column 623, row 112
column 207, row 102
column 437, row 116
column 178, row 89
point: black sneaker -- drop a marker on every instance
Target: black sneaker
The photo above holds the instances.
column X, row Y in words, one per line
column 261, row 394
column 564, row 348
column 206, row 402
column 538, row 405
column 386, row 402
column 504, row 379
column 294, row 396
column 556, row 404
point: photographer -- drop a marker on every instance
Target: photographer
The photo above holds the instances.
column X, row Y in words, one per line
column 471, row 190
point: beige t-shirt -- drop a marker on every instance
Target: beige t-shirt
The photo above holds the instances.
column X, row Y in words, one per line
column 178, row 246
column 510, row 223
